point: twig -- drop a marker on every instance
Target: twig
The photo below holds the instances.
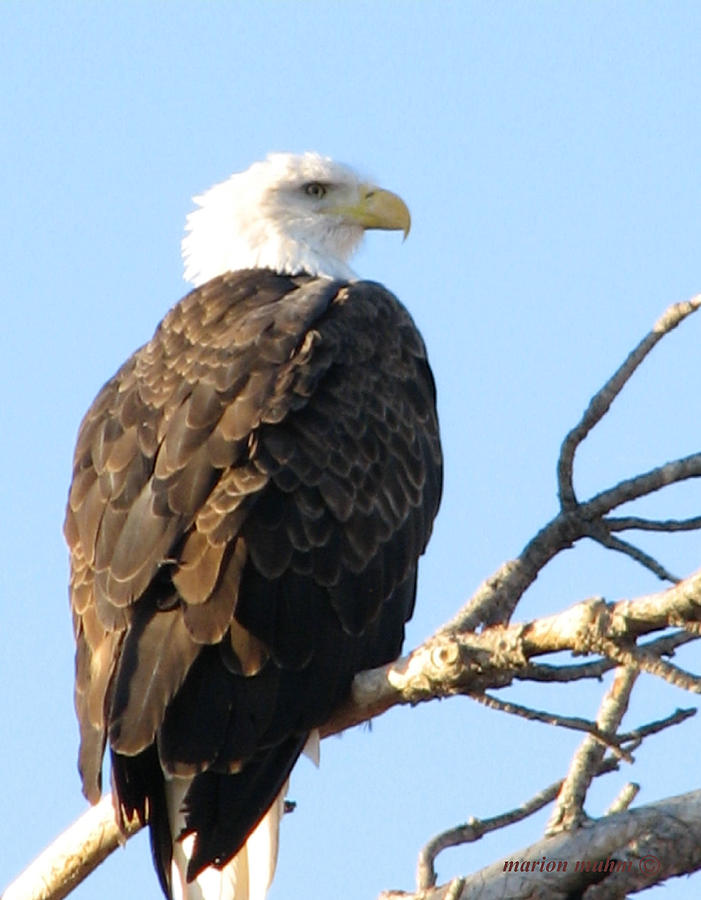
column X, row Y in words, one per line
column 664, row 646
column 637, row 736
column 497, row 597
column 474, row 828
column 602, row 400
column 575, row 723
column 599, row 534
column 625, row 797
column 569, row 808
column 635, row 523
column 542, row 672
column 655, row 666
column 641, row 485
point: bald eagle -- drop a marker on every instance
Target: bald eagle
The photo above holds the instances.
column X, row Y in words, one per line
column 251, row 493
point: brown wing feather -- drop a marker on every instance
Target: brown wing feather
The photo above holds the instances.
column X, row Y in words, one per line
column 251, row 493
column 162, row 459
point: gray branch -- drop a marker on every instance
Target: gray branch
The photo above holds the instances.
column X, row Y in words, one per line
column 610, row 858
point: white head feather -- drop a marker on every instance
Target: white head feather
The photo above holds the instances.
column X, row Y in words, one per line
column 290, row 213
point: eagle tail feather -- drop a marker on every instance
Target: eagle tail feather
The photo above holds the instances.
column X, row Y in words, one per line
column 247, row 876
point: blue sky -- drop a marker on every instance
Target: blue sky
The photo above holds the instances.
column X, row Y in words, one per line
column 549, row 152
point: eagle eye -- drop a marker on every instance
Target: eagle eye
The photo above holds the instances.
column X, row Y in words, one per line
column 314, row 189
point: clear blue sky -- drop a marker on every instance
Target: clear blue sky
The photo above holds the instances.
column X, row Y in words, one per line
column 549, row 152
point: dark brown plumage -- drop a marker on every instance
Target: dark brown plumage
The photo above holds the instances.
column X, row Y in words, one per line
column 251, row 493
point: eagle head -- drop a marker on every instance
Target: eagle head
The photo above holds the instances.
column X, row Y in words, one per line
column 289, row 213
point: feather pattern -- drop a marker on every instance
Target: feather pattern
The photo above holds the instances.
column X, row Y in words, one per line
column 251, row 493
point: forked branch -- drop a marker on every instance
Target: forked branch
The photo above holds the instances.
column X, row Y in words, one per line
column 611, row 858
column 602, row 400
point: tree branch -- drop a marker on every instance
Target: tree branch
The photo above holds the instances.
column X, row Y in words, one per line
column 602, row 400
column 611, row 857
column 450, row 663
column 569, row 808
column 635, row 523
column 600, row 534
column 609, row 740
column 72, row 856
column 474, row 829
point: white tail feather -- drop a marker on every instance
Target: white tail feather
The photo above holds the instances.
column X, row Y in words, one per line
column 246, row 877
column 250, row 873
column 312, row 749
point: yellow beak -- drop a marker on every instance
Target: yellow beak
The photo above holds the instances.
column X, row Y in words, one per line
column 378, row 208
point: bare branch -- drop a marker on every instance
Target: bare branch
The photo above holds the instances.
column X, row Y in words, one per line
column 639, row 734
column 611, row 857
column 449, row 663
column 602, row 400
column 655, row 666
column 575, row 723
column 601, row 536
column 625, row 797
column 475, row 829
column 641, row 485
column 664, row 646
column 635, row 523
column 72, row 856
column 569, row 808
column 497, row 597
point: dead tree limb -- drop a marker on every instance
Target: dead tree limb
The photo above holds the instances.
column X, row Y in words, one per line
column 609, row 859
column 72, row 856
